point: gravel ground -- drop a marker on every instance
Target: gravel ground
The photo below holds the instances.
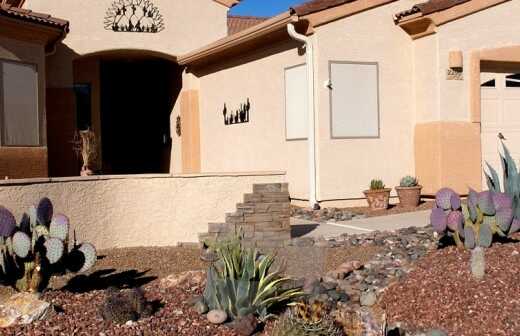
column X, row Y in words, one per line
column 128, row 267
column 343, row 214
column 392, row 210
column 441, row 293
column 80, row 301
column 80, row 316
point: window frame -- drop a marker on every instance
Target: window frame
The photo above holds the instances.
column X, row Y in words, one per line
column 285, row 101
column 2, row 112
column 378, row 92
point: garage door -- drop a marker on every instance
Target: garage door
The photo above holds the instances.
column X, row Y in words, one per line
column 500, row 114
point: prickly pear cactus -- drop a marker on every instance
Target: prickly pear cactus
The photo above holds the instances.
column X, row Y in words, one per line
column 485, row 215
column 28, row 250
column 7, row 222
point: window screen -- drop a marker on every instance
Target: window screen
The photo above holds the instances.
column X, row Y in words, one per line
column 296, row 102
column 19, row 94
column 354, row 100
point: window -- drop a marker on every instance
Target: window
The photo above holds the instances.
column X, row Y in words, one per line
column 83, row 94
column 296, row 103
column 513, row 81
column 19, row 104
column 489, row 83
column 354, row 97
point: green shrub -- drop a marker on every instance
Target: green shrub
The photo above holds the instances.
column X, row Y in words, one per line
column 241, row 282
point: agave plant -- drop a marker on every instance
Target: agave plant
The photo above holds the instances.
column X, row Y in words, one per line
column 34, row 249
column 511, row 179
column 473, row 224
column 241, row 282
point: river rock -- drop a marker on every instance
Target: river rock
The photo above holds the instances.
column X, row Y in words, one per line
column 217, row 316
column 23, row 308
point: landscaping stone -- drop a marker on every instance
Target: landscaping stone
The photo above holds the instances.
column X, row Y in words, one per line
column 368, row 299
column 190, row 277
column 217, row 316
column 23, row 308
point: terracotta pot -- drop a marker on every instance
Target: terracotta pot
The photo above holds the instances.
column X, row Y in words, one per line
column 409, row 197
column 378, row 199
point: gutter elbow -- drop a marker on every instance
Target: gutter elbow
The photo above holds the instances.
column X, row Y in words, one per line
column 291, row 30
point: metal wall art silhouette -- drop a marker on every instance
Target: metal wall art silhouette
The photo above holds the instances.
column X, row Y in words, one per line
column 139, row 16
column 239, row 116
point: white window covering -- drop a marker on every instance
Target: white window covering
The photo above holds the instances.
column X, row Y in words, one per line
column 354, row 100
column 296, row 103
column 19, row 94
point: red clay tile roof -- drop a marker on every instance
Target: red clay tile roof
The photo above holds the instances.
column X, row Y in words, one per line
column 237, row 23
column 34, row 17
column 429, row 7
column 317, row 5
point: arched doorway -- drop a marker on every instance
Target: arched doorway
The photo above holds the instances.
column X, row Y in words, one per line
column 126, row 98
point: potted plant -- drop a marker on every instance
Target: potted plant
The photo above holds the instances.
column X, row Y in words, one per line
column 377, row 196
column 84, row 144
column 409, row 192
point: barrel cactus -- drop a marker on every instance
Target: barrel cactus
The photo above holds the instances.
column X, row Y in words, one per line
column 37, row 248
column 306, row 320
column 408, row 182
column 485, row 215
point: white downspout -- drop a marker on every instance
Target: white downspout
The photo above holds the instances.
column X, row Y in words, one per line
column 309, row 48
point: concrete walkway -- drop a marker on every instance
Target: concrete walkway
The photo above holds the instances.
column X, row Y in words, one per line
column 304, row 228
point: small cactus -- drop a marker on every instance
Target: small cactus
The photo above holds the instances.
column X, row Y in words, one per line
column 409, row 181
column 377, row 185
column 123, row 306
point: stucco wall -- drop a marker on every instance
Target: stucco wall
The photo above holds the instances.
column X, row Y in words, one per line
column 490, row 28
column 188, row 25
column 18, row 162
column 346, row 166
column 261, row 143
column 148, row 210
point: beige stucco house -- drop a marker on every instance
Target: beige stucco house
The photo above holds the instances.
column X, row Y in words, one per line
column 334, row 92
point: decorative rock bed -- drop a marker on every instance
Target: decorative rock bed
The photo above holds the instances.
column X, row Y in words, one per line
column 408, row 279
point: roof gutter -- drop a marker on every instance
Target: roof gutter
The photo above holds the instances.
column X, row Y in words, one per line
column 311, row 137
column 263, row 29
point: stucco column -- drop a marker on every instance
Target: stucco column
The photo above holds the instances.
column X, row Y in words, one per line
column 190, row 124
